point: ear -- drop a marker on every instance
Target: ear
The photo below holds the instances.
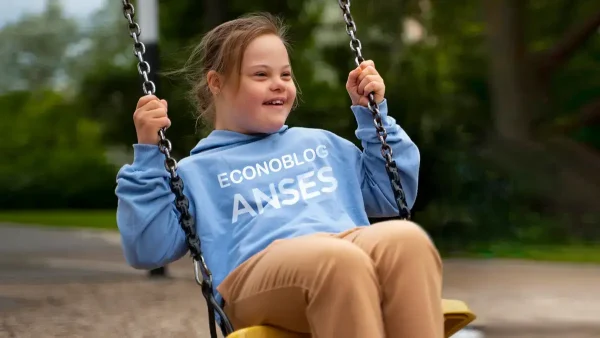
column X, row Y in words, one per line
column 213, row 79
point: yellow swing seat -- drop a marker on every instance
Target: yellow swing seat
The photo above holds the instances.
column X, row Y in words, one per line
column 457, row 315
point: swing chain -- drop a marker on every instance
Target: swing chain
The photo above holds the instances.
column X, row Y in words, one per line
column 138, row 48
column 186, row 220
column 386, row 150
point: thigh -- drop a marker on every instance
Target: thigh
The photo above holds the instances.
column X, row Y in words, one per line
column 274, row 286
column 391, row 238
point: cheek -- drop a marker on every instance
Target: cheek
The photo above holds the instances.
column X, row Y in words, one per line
column 251, row 95
column 292, row 91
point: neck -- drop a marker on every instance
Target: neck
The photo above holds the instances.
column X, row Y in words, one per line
column 222, row 124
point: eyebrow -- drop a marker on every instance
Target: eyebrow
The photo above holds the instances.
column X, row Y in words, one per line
column 267, row 66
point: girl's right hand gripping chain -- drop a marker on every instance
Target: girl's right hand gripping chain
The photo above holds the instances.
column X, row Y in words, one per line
column 149, row 117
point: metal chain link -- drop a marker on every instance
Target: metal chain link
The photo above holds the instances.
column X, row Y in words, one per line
column 186, row 220
column 386, row 150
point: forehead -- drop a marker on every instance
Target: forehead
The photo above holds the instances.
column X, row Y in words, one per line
column 265, row 49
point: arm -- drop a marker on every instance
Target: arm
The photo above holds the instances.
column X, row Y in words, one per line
column 376, row 188
column 146, row 216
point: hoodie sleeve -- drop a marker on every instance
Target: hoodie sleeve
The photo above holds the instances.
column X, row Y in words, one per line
column 146, row 216
column 375, row 182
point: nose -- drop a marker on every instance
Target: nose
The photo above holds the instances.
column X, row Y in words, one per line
column 277, row 85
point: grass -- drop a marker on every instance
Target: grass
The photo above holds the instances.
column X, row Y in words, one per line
column 106, row 219
column 96, row 219
column 575, row 253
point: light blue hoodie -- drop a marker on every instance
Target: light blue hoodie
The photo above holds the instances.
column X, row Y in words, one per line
column 246, row 191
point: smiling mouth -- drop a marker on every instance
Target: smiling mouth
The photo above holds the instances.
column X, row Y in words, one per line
column 276, row 102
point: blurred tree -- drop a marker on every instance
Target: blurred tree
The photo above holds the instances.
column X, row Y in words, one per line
column 520, row 74
column 33, row 50
column 524, row 63
column 56, row 157
column 437, row 76
column 463, row 78
column 51, row 50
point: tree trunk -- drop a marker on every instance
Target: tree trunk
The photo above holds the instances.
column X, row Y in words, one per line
column 509, row 79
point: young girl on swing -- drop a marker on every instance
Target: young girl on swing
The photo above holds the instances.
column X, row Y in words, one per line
column 282, row 213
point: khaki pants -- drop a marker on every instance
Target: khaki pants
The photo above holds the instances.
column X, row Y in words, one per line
column 384, row 280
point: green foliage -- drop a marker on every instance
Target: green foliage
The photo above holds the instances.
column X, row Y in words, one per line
column 438, row 92
column 580, row 253
column 56, row 157
column 437, row 89
column 83, row 218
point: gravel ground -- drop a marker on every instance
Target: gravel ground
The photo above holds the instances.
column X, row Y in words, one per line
column 50, row 288
column 138, row 308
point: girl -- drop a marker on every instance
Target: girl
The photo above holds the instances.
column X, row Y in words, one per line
column 282, row 213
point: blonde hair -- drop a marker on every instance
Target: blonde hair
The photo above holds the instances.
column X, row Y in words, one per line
column 222, row 50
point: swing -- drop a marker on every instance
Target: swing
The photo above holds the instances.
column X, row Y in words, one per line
column 457, row 315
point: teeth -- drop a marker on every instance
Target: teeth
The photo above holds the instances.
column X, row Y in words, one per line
column 275, row 102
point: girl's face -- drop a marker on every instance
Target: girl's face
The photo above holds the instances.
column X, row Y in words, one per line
column 266, row 92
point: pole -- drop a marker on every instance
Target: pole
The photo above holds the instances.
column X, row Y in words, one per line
column 149, row 23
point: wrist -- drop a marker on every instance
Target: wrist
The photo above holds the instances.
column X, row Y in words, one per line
column 364, row 117
column 148, row 140
column 147, row 156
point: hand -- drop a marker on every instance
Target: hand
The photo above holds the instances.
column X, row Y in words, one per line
column 364, row 80
column 149, row 117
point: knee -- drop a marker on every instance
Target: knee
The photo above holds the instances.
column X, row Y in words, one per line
column 341, row 259
column 407, row 235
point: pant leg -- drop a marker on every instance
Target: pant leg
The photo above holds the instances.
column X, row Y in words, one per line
column 409, row 270
column 315, row 284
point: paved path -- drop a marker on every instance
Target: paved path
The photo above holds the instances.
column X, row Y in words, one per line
column 65, row 283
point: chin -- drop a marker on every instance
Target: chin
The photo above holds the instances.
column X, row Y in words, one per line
column 265, row 121
column 272, row 126
column 271, row 123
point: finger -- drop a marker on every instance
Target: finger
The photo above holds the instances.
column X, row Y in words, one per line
column 367, row 63
column 363, row 101
column 372, row 87
column 144, row 100
column 163, row 122
column 367, row 71
column 155, row 104
column 353, row 77
column 368, row 79
column 156, row 113
column 164, row 102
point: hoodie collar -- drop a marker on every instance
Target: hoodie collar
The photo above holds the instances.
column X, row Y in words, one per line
column 223, row 138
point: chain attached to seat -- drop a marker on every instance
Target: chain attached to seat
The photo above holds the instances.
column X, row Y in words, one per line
column 386, row 150
column 186, row 220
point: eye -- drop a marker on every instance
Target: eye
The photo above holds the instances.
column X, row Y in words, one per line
column 286, row 74
column 260, row 74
